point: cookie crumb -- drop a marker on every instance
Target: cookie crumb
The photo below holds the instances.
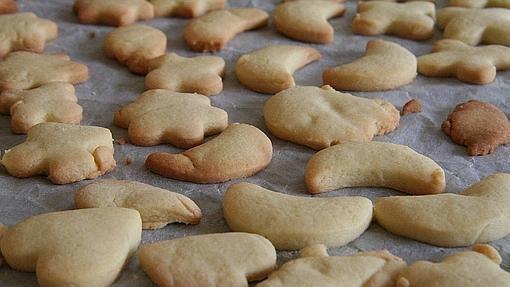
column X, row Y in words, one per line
column 411, row 107
column 128, row 161
column 92, row 35
column 121, row 141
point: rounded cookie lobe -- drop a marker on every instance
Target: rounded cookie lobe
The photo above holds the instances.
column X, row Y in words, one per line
column 185, row 8
column 112, row 12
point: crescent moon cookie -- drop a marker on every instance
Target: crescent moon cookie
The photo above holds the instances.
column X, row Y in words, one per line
column 480, row 3
column 8, row 6
column 112, row 12
column 385, row 66
column 322, row 117
column 185, row 8
column 269, row 70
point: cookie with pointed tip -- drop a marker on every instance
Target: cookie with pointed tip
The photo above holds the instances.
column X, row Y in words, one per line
column 307, row 21
column 385, row 66
column 112, row 12
column 185, row 8
column 202, row 74
column 269, row 70
column 480, row 3
column 211, row 260
column 322, row 117
column 210, row 32
column 239, row 151
column 8, row 6
column 411, row 20
column 162, row 116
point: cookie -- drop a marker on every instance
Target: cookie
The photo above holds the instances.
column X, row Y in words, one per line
column 479, row 126
column 53, row 102
column 239, row 151
column 385, row 66
column 292, row 222
column 3, row 230
column 8, row 6
column 412, row 20
column 26, row 70
column 480, row 3
column 477, row 215
column 373, row 164
column 307, row 21
column 87, row 247
column 112, row 12
column 474, row 65
column 185, row 8
column 66, row 153
column 211, row 260
column 162, row 116
column 212, row 31
column 202, row 74
column 158, row 207
column 269, row 70
column 475, row 26
column 322, row 117
column 134, row 46
column 411, row 107
column 25, row 31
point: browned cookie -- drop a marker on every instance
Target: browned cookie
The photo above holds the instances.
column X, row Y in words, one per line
column 411, row 107
column 480, row 126
column 7, row 6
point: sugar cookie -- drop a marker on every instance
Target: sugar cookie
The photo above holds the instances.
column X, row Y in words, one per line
column 411, row 107
column 3, row 230
column 480, row 3
column 112, row 12
column 185, row 8
column 8, row 6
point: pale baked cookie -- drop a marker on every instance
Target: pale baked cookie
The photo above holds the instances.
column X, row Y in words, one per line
column 239, row 151
column 3, row 230
column 8, row 6
column 269, row 70
column 112, row 12
column 82, row 248
column 475, row 26
column 307, row 21
column 211, row 260
column 202, row 74
column 26, row 70
column 25, row 31
column 373, row 164
column 185, row 8
column 158, row 207
column 479, row 214
column 66, row 153
column 292, row 222
column 213, row 30
column 480, row 3
column 412, row 20
column 162, row 116
column 385, row 66
column 322, row 117
column 135, row 45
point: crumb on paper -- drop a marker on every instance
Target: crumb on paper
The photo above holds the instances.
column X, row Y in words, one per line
column 128, row 161
column 411, row 107
column 121, row 141
column 92, row 35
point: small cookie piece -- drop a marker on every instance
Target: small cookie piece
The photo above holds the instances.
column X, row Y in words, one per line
column 66, row 153
column 134, row 46
column 412, row 20
column 158, row 207
column 373, row 164
column 112, row 12
column 25, row 31
column 474, row 65
column 162, row 116
column 213, row 30
column 479, row 126
column 211, row 260
column 185, row 8
column 480, row 3
column 8, row 6
column 385, row 66
column 411, row 107
column 269, row 70
column 307, row 21
column 322, row 117
column 202, row 74
column 86, row 247
column 239, row 151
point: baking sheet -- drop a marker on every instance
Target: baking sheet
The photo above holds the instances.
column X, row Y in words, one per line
column 112, row 85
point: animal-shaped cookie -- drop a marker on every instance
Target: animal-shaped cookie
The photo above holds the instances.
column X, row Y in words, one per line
column 53, row 102
column 211, row 260
column 269, row 70
column 373, row 164
column 321, row 117
column 475, row 26
column 385, row 66
column 213, row 30
column 202, row 74
column 87, row 247
column 162, row 116
column 412, row 20
column 112, row 12
column 66, row 153
column 158, row 207
column 480, row 3
column 477, row 215
column 185, row 8
column 135, row 45
column 239, row 151
column 307, row 21
column 8, row 6
column 292, row 222
column 26, row 70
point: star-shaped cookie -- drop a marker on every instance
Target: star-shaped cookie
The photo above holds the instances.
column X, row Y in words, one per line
column 112, row 12
column 185, row 8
